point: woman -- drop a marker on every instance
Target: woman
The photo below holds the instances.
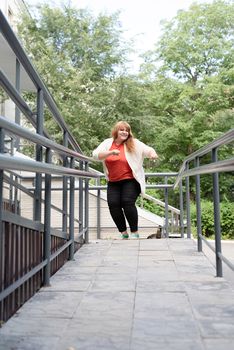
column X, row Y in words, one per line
column 122, row 157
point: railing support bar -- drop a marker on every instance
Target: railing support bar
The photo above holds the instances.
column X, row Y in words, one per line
column 47, row 222
column 71, row 217
column 39, row 156
column 86, row 205
column 81, row 200
column 218, row 249
column 98, row 211
column 17, row 111
column 166, row 209
column 198, row 207
column 65, row 186
column 2, row 252
column 188, row 218
column 181, row 210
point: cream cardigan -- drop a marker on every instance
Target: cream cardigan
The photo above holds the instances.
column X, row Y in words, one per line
column 135, row 159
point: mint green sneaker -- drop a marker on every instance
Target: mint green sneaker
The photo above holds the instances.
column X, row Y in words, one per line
column 124, row 235
column 134, row 235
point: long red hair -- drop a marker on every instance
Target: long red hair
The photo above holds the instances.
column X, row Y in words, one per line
column 130, row 140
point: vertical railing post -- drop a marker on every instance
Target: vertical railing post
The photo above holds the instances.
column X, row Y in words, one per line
column 98, row 210
column 218, row 249
column 181, row 209
column 172, row 222
column 72, row 210
column 47, row 222
column 65, row 186
column 188, row 217
column 86, row 205
column 81, row 201
column 166, row 208
column 198, row 207
column 17, row 110
column 2, row 250
column 39, row 156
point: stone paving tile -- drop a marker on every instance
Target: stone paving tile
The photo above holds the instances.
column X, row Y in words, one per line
column 110, row 302
column 152, row 329
column 219, row 344
column 161, row 343
column 88, row 341
column 217, row 327
column 215, row 285
column 151, row 260
column 20, row 325
column 159, row 286
column 113, row 285
column 69, row 283
column 74, row 269
column 116, row 269
column 28, row 342
column 51, row 304
column 115, row 277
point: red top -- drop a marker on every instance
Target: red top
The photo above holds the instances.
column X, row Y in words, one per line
column 118, row 166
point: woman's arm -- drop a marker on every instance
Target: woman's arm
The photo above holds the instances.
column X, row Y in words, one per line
column 103, row 155
column 147, row 151
column 102, row 151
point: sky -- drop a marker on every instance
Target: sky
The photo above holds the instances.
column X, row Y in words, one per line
column 140, row 19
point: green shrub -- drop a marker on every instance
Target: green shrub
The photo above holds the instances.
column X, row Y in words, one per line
column 226, row 219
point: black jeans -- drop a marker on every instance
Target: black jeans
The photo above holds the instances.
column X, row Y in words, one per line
column 121, row 198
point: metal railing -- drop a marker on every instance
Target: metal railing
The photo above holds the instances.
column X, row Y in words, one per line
column 165, row 186
column 191, row 167
column 31, row 250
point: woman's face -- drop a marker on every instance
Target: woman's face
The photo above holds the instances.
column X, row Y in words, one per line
column 122, row 134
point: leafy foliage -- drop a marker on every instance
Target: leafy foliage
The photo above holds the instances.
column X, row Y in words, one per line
column 226, row 218
column 181, row 99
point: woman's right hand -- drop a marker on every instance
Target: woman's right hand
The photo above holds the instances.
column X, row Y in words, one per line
column 103, row 155
column 115, row 152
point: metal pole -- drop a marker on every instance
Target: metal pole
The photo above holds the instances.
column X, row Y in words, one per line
column 181, row 210
column 2, row 251
column 198, row 207
column 17, row 111
column 72, row 210
column 47, row 221
column 81, row 200
column 65, row 186
column 218, row 248
column 166, row 208
column 39, row 156
column 188, row 218
column 98, row 211
column 86, row 205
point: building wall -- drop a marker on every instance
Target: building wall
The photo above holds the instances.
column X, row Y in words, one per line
column 11, row 10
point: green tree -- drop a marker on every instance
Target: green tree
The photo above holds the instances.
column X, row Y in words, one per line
column 78, row 56
column 191, row 72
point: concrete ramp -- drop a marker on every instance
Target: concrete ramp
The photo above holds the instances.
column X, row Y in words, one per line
column 128, row 295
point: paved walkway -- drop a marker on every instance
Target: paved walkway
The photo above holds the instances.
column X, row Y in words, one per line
column 128, row 295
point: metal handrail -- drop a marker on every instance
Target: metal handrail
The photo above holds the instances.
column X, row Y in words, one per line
column 16, row 47
column 217, row 167
column 226, row 138
column 17, row 163
column 162, row 204
column 29, row 192
column 214, row 167
column 40, row 140
column 222, row 140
